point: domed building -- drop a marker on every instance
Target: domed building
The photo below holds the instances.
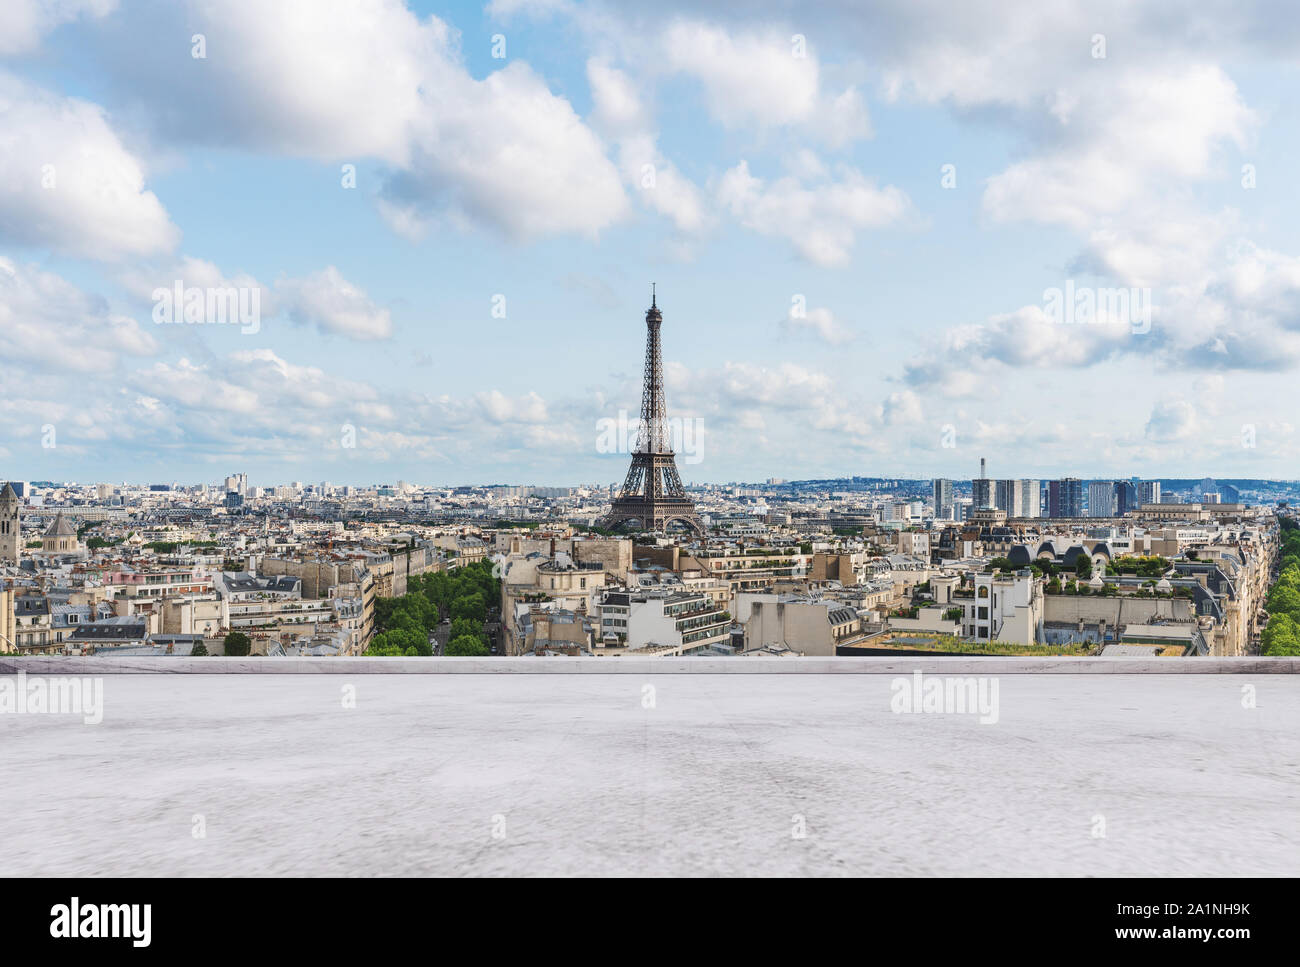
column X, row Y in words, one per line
column 60, row 538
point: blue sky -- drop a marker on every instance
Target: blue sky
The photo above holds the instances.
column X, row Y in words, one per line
column 784, row 175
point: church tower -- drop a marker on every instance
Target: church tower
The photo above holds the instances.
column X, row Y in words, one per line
column 11, row 536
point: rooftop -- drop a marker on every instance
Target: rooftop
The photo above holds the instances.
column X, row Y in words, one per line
column 879, row 793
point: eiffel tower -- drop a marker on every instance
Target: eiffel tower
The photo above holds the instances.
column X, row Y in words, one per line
column 652, row 494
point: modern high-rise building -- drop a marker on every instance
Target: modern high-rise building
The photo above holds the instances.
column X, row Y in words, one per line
column 981, row 489
column 1004, row 495
column 1032, row 491
column 942, row 499
column 1009, row 495
column 1019, row 498
column 1101, row 498
column 1126, row 497
column 1065, row 497
column 1149, row 492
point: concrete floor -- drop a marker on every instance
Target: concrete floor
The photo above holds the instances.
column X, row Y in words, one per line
column 567, row 775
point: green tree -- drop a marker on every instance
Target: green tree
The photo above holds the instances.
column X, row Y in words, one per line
column 466, row 646
column 1290, row 574
column 381, row 647
column 400, row 641
column 200, row 650
column 1284, row 599
column 1149, row 567
column 1280, row 637
column 471, row 606
column 1083, row 566
column 236, row 644
column 465, row 626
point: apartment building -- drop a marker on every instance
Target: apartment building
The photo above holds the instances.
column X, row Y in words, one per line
column 1019, row 498
column 682, row 621
column 1065, row 497
column 1102, row 498
column 802, row 625
column 530, row 578
column 1002, row 607
column 265, row 603
column 943, row 502
column 749, row 568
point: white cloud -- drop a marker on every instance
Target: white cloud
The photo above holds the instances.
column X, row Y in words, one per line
column 1169, row 124
column 820, row 322
column 499, row 408
column 192, row 386
column 67, row 183
column 821, row 219
column 329, row 301
column 351, row 80
column 26, row 22
column 621, row 116
column 1171, row 421
column 902, row 408
column 50, row 324
column 963, row 360
column 788, row 385
column 759, row 79
column 617, row 108
column 506, row 152
column 324, row 299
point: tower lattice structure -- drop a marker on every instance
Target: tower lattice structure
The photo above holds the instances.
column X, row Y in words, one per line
column 652, row 494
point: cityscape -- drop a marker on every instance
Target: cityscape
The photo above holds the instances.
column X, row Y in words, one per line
column 540, row 439
column 650, row 568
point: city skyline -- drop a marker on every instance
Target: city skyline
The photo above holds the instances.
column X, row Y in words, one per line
column 874, row 248
column 568, row 438
column 960, row 482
